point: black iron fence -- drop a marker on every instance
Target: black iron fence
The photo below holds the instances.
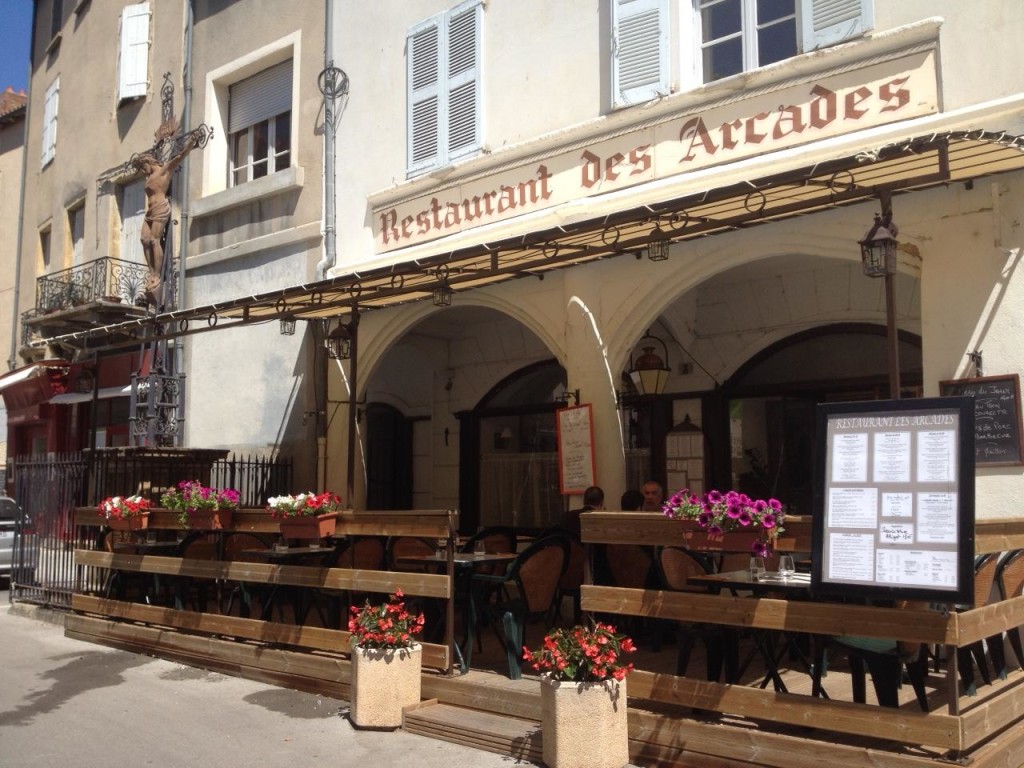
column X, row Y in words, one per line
column 48, row 487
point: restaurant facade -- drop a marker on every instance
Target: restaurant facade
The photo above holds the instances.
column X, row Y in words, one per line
column 519, row 204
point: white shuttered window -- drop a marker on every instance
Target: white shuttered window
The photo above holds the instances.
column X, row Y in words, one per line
column 133, row 74
column 444, row 99
column 719, row 39
column 49, row 144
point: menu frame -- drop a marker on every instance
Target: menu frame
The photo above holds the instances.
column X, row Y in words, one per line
column 575, row 437
column 894, row 500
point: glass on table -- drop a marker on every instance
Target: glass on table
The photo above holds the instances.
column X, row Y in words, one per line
column 479, row 547
column 756, row 568
column 786, row 566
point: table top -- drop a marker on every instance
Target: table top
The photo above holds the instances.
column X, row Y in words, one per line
column 463, row 558
column 282, row 554
column 798, row 583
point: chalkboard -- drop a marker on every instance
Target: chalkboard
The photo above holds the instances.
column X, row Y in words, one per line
column 575, row 449
column 997, row 416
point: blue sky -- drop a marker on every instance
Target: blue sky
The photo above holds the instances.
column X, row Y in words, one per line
column 17, row 23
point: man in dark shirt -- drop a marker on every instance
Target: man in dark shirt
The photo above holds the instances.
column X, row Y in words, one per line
column 593, row 498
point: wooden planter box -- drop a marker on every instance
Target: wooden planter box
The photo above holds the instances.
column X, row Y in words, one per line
column 695, row 537
column 133, row 523
column 309, row 527
column 209, row 520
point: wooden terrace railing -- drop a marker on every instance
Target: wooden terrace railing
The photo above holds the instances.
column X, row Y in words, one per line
column 952, row 730
column 436, row 524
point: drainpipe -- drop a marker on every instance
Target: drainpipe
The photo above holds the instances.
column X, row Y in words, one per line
column 332, row 83
column 12, row 361
column 186, row 117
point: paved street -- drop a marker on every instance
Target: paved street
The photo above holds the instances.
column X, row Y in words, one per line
column 68, row 703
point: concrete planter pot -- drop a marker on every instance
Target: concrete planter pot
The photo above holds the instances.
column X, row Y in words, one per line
column 384, row 681
column 584, row 725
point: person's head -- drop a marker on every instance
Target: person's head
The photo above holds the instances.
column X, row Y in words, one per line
column 631, row 501
column 593, row 497
column 653, row 496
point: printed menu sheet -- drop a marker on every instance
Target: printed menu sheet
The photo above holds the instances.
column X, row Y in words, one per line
column 892, row 505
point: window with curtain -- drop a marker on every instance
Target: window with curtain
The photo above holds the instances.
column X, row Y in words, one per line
column 719, row 39
column 444, row 99
column 259, row 124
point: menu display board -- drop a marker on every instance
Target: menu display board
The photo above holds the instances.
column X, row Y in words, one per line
column 575, row 449
column 997, row 417
column 894, row 500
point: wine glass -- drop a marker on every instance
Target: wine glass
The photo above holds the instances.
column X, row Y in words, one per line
column 786, row 566
column 756, row 568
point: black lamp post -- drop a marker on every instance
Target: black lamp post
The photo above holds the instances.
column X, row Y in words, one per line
column 878, row 255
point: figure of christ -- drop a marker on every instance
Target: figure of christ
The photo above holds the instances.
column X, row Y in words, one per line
column 158, row 211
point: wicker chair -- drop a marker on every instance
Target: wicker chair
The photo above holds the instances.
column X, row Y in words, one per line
column 535, row 574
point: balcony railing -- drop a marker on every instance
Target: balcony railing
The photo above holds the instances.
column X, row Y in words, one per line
column 105, row 279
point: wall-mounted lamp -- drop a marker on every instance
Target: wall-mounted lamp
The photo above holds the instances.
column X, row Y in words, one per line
column 567, row 395
column 84, row 382
column 976, row 361
column 287, row 326
column 650, row 370
column 339, row 341
column 657, row 247
column 442, row 293
column 878, row 248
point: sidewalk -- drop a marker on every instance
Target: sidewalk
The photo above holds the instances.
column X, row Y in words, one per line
column 67, row 702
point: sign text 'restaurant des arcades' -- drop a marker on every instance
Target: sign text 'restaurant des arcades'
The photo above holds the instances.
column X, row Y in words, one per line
column 797, row 114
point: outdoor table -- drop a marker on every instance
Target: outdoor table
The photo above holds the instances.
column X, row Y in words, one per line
column 286, row 556
column 465, row 563
column 797, row 586
column 138, row 546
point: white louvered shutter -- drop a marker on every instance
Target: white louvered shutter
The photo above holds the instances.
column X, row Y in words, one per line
column 134, row 66
column 49, row 143
column 424, row 108
column 828, row 22
column 133, row 209
column 463, row 77
column 640, row 52
column 260, row 97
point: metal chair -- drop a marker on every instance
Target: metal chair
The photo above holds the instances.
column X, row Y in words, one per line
column 1010, row 581
column 534, row 575
column 675, row 567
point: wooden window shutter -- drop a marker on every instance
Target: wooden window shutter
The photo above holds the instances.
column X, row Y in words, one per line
column 463, row 76
column 133, row 73
column 49, row 143
column 828, row 22
column 424, row 108
column 640, row 52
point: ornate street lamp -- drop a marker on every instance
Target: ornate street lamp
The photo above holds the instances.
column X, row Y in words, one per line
column 339, row 341
column 657, row 247
column 650, row 370
column 878, row 255
column 878, row 248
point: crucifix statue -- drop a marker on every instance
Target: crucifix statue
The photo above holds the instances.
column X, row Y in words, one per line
column 158, row 165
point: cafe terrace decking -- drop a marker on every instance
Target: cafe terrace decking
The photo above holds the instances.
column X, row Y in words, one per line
column 673, row 720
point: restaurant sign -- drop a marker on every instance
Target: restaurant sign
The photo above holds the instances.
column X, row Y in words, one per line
column 851, row 101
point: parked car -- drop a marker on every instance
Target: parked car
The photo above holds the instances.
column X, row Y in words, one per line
column 10, row 519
